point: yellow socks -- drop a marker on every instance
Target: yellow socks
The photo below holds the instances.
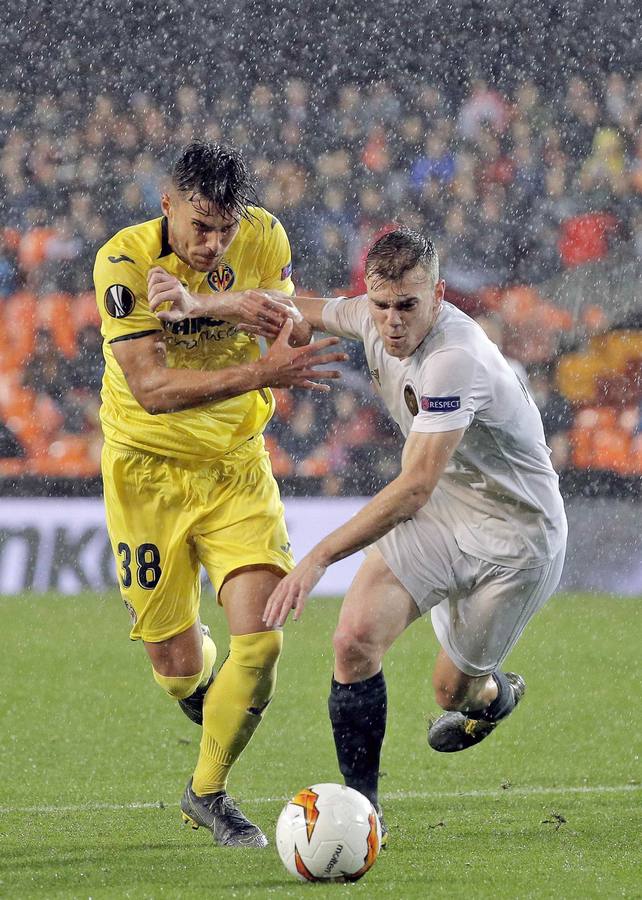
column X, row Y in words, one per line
column 234, row 705
column 178, row 686
column 209, row 658
column 181, row 686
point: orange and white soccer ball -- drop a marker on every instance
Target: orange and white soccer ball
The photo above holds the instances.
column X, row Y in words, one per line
column 328, row 832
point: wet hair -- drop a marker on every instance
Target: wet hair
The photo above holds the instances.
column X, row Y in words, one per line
column 213, row 174
column 398, row 252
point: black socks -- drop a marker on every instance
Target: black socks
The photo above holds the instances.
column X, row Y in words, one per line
column 501, row 706
column 358, row 717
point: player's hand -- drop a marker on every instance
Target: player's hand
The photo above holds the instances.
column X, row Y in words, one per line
column 264, row 312
column 287, row 367
column 165, row 288
column 292, row 592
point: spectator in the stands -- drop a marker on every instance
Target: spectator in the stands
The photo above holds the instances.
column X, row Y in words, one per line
column 10, row 445
column 88, row 364
column 493, row 326
column 557, row 415
column 490, row 173
column 539, row 238
column 50, row 373
column 603, row 172
column 578, row 118
column 9, row 277
column 483, row 107
column 437, row 163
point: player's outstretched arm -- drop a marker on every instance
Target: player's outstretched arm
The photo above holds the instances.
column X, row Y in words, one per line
column 307, row 313
column 160, row 389
column 424, row 459
column 255, row 311
column 172, row 302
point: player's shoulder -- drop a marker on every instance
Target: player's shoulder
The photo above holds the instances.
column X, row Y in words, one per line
column 455, row 340
column 260, row 225
column 135, row 244
column 456, row 329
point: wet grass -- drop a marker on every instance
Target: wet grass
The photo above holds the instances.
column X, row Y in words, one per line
column 93, row 760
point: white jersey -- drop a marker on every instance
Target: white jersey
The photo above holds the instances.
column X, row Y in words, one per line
column 499, row 493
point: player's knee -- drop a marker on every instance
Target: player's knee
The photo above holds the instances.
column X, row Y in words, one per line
column 257, row 651
column 254, row 659
column 178, row 686
column 354, row 645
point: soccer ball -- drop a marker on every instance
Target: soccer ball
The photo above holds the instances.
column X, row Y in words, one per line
column 328, row 832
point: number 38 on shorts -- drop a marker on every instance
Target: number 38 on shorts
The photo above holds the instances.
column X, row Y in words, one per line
column 147, row 565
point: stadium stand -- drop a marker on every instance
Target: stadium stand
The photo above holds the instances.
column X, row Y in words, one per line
column 535, row 206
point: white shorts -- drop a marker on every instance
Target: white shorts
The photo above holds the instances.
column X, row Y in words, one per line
column 478, row 609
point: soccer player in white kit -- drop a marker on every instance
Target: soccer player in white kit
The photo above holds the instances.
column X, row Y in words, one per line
column 472, row 530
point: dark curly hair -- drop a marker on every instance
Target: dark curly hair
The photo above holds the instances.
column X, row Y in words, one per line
column 399, row 251
column 215, row 175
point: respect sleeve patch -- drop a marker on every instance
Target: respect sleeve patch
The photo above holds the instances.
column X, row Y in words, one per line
column 440, row 404
column 286, row 271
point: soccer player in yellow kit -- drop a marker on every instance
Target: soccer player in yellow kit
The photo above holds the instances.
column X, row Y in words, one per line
column 187, row 479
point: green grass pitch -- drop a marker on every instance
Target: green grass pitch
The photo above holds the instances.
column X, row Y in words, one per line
column 94, row 759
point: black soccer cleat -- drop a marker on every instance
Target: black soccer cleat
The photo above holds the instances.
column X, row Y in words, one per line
column 192, row 706
column 218, row 813
column 454, row 731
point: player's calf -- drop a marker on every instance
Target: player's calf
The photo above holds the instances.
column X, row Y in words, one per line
column 192, row 705
column 190, row 690
column 455, row 730
column 358, row 717
column 235, row 704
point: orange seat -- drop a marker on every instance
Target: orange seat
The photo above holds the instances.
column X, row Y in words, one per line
column 48, row 416
column 594, row 318
column 558, row 319
column 32, row 249
column 54, row 312
column 594, row 417
column 85, row 311
column 17, row 335
column 12, row 466
column 611, row 450
column 314, row 466
column 635, row 456
column 284, row 403
column 68, row 456
column 20, row 403
column 518, row 305
column 31, row 437
column 491, row 298
column 282, row 465
column 581, row 443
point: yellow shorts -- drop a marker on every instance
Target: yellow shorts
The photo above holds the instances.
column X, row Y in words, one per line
column 166, row 517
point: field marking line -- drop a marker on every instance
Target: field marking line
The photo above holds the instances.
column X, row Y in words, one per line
column 394, row 795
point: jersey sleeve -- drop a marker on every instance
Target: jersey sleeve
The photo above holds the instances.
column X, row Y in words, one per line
column 121, row 295
column 346, row 317
column 276, row 274
column 450, row 391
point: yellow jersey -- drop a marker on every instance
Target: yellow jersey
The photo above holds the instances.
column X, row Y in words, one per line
column 258, row 257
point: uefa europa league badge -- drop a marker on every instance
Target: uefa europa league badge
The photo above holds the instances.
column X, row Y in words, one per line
column 411, row 400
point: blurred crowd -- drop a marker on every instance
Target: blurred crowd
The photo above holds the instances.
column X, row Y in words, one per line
column 512, row 186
